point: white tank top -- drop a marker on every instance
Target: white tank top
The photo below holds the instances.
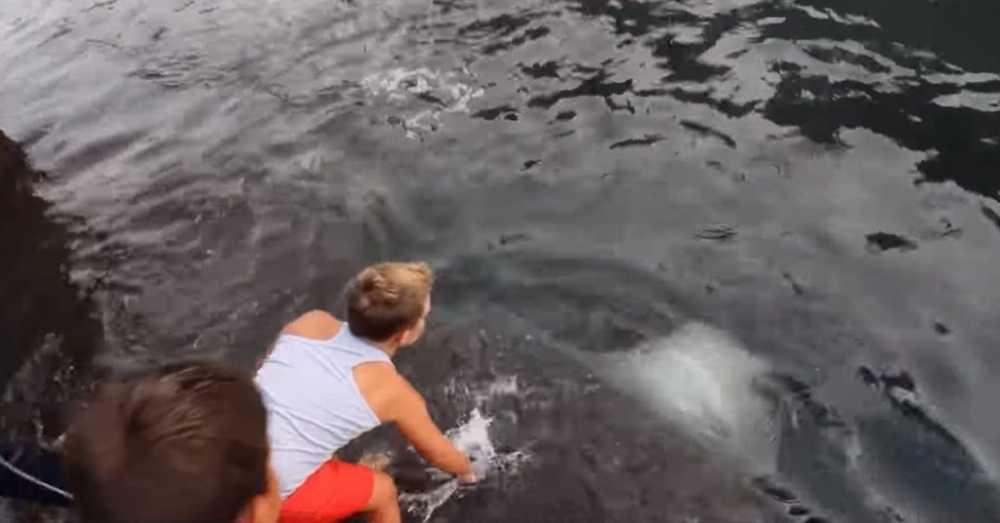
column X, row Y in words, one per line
column 314, row 405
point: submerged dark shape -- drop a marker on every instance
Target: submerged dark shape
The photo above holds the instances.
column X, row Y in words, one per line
column 541, row 308
column 44, row 317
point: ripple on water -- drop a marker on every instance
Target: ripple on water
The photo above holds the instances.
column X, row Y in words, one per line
column 813, row 182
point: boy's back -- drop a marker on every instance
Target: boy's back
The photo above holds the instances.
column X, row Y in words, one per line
column 314, row 402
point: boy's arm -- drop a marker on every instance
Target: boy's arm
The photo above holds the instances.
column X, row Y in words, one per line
column 409, row 411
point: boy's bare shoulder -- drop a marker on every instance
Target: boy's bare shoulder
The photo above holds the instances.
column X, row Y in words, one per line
column 316, row 324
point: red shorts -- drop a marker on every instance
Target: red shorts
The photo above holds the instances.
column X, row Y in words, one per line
column 335, row 491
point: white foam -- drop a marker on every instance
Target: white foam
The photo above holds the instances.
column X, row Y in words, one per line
column 473, row 438
column 424, row 504
column 504, row 386
column 485, row 394
column 702, row 379
column 400, row 85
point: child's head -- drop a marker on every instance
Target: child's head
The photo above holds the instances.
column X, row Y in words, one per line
column 187, row 443
column 390, row 302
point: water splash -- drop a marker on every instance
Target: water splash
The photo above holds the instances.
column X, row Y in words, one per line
column 445, row 91
column 473, row 438
column 703, row 379
column 422, row 505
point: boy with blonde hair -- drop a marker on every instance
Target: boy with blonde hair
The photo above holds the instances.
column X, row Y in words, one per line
column 325, row 383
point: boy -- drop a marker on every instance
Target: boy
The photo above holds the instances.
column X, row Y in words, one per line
column 325, row 383
column 186, row 444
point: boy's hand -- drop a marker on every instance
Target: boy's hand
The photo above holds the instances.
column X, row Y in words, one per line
column 468, row 478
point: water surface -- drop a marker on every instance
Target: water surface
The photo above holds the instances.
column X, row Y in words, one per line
column 714, row 261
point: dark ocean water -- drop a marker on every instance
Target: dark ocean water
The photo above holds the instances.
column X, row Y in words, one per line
column 701, row 261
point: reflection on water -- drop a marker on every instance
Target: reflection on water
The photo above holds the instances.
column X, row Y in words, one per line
column 813, row 181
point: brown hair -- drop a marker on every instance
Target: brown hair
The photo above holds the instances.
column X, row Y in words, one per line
column 387, row 298
column 186, row 444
